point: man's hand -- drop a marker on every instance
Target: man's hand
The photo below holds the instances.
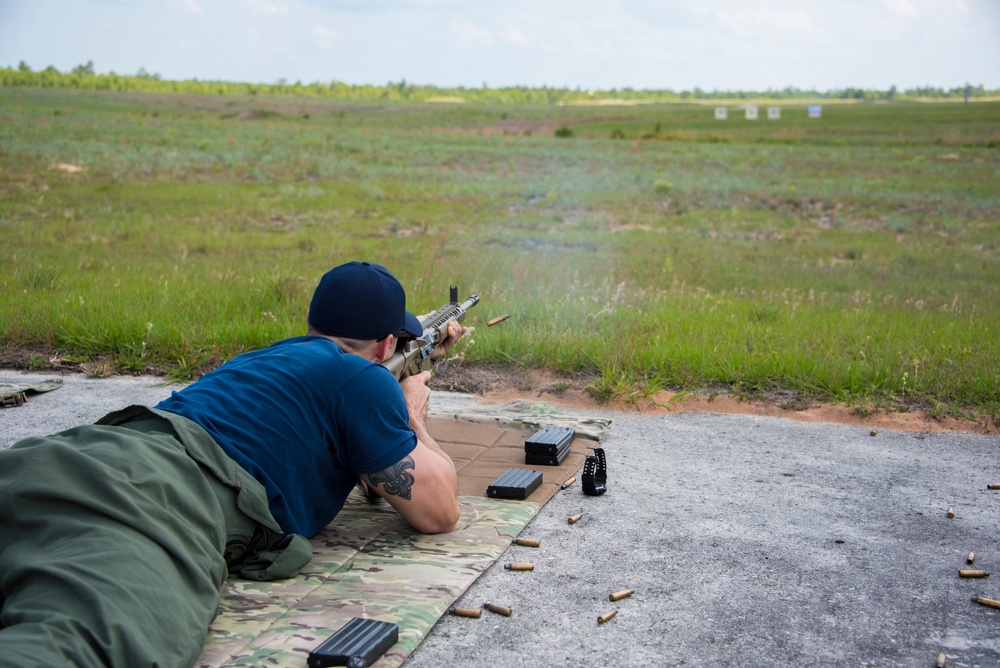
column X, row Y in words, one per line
column 417, row 396
column 455, row 332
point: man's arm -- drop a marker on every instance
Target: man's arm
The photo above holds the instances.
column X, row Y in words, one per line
column 423, row 486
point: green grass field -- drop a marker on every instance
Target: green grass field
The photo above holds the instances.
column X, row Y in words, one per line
column 855, row 257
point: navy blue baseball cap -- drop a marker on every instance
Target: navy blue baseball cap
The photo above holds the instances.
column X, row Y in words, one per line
column 361, row 300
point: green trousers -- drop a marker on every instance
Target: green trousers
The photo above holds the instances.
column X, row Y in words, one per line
column 116, row 538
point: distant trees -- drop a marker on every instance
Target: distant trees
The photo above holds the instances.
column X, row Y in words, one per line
column 85, row 77
column 85, row 70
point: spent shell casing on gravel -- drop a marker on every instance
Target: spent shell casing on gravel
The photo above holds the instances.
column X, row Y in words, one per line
column 527, row 542
column 520, row 566
column 499, row 609
column 575, row 518
column 619, row 595
column 568, row 482
column 606, row 616
column 967, row 573
column 988, row 602
column 466, row 612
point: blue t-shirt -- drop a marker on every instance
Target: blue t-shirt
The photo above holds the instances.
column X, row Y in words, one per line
column 305, row 419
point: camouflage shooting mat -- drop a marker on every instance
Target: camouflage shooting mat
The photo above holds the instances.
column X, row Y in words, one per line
column 369, row 563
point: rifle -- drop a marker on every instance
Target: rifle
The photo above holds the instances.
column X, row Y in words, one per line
column 413, row 355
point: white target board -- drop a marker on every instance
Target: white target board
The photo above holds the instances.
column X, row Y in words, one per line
column 773, row 113
column 751, row 112
column 721, row 114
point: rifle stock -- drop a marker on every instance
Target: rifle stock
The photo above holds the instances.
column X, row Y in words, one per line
column 414, row 355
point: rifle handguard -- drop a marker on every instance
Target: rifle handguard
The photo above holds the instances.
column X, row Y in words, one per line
column 414, row 355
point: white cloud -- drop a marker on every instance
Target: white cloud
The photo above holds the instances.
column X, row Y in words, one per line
column 261, row 6
column 469, row 32
column 187, row 5
column 514, row 36
column 324, row 36
column 903, row 7
column 753, row 20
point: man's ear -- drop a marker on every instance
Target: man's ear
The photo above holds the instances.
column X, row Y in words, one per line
column 386, row 347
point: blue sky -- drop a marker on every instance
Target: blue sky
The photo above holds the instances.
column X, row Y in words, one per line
column 712, row 44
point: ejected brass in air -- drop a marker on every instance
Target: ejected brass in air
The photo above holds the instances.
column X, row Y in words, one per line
column 951, row 512
column 966, row 573
column 497, row 320
column 520, row 566
column 569, row 482
column 466, row 612
column 970, row 557
column 499, row 609
column 988, row 602
column 606, row 616
column 619, row 595
column 573, row 519
column 527, row 542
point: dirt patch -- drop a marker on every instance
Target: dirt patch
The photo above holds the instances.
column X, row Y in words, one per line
column 499, row 384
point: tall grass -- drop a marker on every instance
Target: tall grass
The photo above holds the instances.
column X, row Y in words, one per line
column 858, row 262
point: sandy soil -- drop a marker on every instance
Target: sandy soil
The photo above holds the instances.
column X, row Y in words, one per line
column 500, row 385
column 496, row 386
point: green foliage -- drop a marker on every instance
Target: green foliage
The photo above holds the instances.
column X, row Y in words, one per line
column 563, row 132
column 85, row 77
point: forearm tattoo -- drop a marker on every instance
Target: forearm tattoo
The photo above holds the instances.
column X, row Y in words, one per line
column 396, row 480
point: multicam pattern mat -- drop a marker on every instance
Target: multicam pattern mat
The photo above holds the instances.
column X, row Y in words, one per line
column 526, row 415
column 368, row 563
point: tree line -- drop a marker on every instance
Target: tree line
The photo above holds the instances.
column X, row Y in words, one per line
column 84, row 77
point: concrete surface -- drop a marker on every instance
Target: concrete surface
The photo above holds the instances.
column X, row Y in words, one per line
column 749, row 541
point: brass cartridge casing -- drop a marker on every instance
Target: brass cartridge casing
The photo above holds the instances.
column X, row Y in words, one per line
column 988, row 602
column 520, row 566
column 499, row 609
column 575, row 518
column 527, row 542
column 619, row 595
column 606, row 616
column 466, row 612
column 497, row 320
